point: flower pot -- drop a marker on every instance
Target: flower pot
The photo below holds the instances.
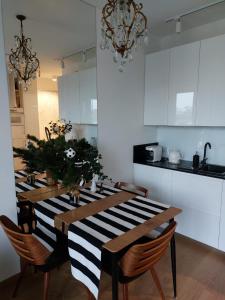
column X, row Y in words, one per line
column 49, row 178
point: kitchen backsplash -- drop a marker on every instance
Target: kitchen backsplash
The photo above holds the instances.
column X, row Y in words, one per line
column 188, row 140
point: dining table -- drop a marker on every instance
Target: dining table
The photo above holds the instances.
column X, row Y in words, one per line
column 101, row 224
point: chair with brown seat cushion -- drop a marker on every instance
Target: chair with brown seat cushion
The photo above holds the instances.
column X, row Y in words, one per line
column 132, row 188
column 141, row 258
column 32, row 252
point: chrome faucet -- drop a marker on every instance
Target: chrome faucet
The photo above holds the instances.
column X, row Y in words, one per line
column 203, row 162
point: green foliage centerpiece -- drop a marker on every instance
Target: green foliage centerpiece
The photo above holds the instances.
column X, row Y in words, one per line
column 71, row 161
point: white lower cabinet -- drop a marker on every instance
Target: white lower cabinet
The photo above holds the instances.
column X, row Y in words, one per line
column 199, row 197
column 156, row 180
column 222, row 222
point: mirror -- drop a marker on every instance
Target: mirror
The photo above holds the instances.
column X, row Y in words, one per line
column 66, row 89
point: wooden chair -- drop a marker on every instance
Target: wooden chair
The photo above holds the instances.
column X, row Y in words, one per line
column 141, row 258
column 26, row 216
column 32, row 252
column 132, row 188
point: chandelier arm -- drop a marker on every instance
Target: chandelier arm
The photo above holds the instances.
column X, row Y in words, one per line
column 106, row 14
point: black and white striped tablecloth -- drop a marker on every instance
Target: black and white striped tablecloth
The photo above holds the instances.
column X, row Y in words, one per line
column 86, row 237
column 46, row 211
column 22, row 174
column 25, row 187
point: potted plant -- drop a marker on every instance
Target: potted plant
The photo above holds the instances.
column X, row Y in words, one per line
column 73, row 162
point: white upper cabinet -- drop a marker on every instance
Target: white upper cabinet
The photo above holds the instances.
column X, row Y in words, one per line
column 211, row 93
column 69, row 104
column 77, row 97
column 157, row 67
column 183, row 84
column 88, row 96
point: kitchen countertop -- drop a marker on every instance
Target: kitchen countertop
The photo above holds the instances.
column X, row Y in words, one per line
column 184, row 166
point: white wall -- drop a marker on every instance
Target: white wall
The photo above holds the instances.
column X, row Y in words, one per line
column 30, row 101
column 9, row 262
column 48, row 110
column 120, row 112
column 86, row 131
column 191, row 139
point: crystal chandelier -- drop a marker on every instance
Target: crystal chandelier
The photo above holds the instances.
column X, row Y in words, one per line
column 124, row 28
column 22, row 62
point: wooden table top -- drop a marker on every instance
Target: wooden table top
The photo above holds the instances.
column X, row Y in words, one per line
column 42, row 193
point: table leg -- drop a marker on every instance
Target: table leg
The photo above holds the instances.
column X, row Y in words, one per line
column 173, row 262
column 115, row 277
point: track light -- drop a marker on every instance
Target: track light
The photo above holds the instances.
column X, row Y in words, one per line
column 62, row 63
column 84, row 55
column 178, row 25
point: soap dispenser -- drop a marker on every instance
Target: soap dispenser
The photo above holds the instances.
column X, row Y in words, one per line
column 195, row 161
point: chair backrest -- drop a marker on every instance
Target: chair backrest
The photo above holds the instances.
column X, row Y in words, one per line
column 132, row 188
column 26, row 245
column 140, row 258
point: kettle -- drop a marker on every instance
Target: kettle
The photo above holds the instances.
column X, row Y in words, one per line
column 174, row 157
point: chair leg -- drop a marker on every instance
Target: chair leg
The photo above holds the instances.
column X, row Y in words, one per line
column 125, row 291
column 90, row 296
column 19, row 280
column 157, row 283
column 46, row 285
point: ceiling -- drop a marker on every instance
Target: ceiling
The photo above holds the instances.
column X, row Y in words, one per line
column 59, row 28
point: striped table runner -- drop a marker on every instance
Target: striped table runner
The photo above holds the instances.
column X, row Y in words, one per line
column 46, row 211
column 86, row 237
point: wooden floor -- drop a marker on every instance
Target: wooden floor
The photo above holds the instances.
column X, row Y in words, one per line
column 201, row 276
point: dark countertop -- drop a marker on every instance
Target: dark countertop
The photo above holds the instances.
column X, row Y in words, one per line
column 183, row 166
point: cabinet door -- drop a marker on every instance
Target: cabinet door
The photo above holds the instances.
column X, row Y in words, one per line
column 200, row 199
column 211, row 92
column 88, row 97
column 69, row 104
column 222, row 221
column 184, row 65
column 156, row 88
column 156, row 180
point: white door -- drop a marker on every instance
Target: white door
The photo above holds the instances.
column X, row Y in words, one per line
column 69, row 104
column 211, row 92
column 157, row 67
column 200, row 199
column 183, row 83
column 88, row 96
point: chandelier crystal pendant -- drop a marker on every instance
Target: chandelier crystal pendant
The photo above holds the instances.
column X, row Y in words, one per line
column 124, row 29
column 22, row 62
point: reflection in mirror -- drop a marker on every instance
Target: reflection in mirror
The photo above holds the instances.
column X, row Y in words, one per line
column 184, row 108
column 66, row 88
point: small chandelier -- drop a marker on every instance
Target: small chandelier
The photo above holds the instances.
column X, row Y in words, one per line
column 22, row 62
column 124, row 28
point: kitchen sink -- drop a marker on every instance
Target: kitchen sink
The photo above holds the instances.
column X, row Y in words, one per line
column 213, row 169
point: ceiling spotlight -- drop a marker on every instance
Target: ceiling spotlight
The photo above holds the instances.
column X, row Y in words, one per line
column 178, row 25
column 54, row 78
column 62, row 63
column 84, row 55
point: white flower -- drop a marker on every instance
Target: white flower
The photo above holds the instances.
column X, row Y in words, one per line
column 70, row 153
